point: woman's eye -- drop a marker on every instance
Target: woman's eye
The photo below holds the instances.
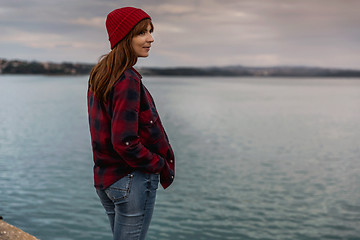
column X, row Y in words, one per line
column 142, row 33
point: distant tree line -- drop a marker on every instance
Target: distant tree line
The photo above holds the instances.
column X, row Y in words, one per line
column 33, row 67
column 66, row 68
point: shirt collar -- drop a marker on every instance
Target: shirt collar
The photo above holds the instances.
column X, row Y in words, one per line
column 137, row 73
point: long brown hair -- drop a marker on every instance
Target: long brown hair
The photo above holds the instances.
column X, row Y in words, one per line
column 112, row 65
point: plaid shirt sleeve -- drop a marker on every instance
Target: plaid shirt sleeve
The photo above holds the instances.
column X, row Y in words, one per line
column 125, row 127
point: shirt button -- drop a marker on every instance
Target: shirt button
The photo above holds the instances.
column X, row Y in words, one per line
column 151, row 121
column 127, row 143
column 172, row 177
column 171, row 161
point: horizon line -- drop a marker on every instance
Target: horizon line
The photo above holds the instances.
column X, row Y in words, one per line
column 194, row 67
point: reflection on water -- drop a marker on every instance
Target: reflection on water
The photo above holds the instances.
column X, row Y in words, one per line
column 256, row 158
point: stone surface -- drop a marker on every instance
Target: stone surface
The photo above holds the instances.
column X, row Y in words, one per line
column 9, row 232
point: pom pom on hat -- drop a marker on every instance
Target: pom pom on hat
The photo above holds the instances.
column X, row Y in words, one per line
column 120, row 22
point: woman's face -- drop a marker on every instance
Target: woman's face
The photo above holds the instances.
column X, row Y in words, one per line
column 142, row 42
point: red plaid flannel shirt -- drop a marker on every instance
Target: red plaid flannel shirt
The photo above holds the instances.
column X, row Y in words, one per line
column 127, row 134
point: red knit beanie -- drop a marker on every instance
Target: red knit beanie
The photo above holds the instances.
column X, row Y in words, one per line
column 120, row 22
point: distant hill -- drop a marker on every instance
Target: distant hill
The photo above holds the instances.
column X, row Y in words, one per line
column 66, row 68
column 253, row 71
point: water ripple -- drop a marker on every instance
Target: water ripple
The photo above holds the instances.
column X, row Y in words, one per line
column 256, row 159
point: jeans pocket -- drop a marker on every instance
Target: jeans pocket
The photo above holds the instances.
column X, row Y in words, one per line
column 120, row 190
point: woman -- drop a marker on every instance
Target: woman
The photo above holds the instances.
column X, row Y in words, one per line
column 131, row 150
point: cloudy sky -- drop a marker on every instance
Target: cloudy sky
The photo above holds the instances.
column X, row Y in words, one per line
column 324, row 33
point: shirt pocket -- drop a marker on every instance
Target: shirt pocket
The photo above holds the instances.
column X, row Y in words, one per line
column 148, row 117
column 150, row 128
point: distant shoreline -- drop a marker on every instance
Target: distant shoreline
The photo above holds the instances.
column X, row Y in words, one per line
column 66, row 68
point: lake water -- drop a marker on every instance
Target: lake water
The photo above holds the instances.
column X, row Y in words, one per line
column 257, row 158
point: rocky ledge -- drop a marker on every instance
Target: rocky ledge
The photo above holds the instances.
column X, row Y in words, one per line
column 9, row 232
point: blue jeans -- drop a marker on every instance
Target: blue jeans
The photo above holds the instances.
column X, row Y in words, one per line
column 129, row 204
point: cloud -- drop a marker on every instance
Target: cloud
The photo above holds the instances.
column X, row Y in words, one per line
column 96, row 22
column 200, row 33
column 172, row 9
column 43, row 40
column 169, row 28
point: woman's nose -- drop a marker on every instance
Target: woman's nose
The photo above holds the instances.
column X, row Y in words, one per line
column 150, row 38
